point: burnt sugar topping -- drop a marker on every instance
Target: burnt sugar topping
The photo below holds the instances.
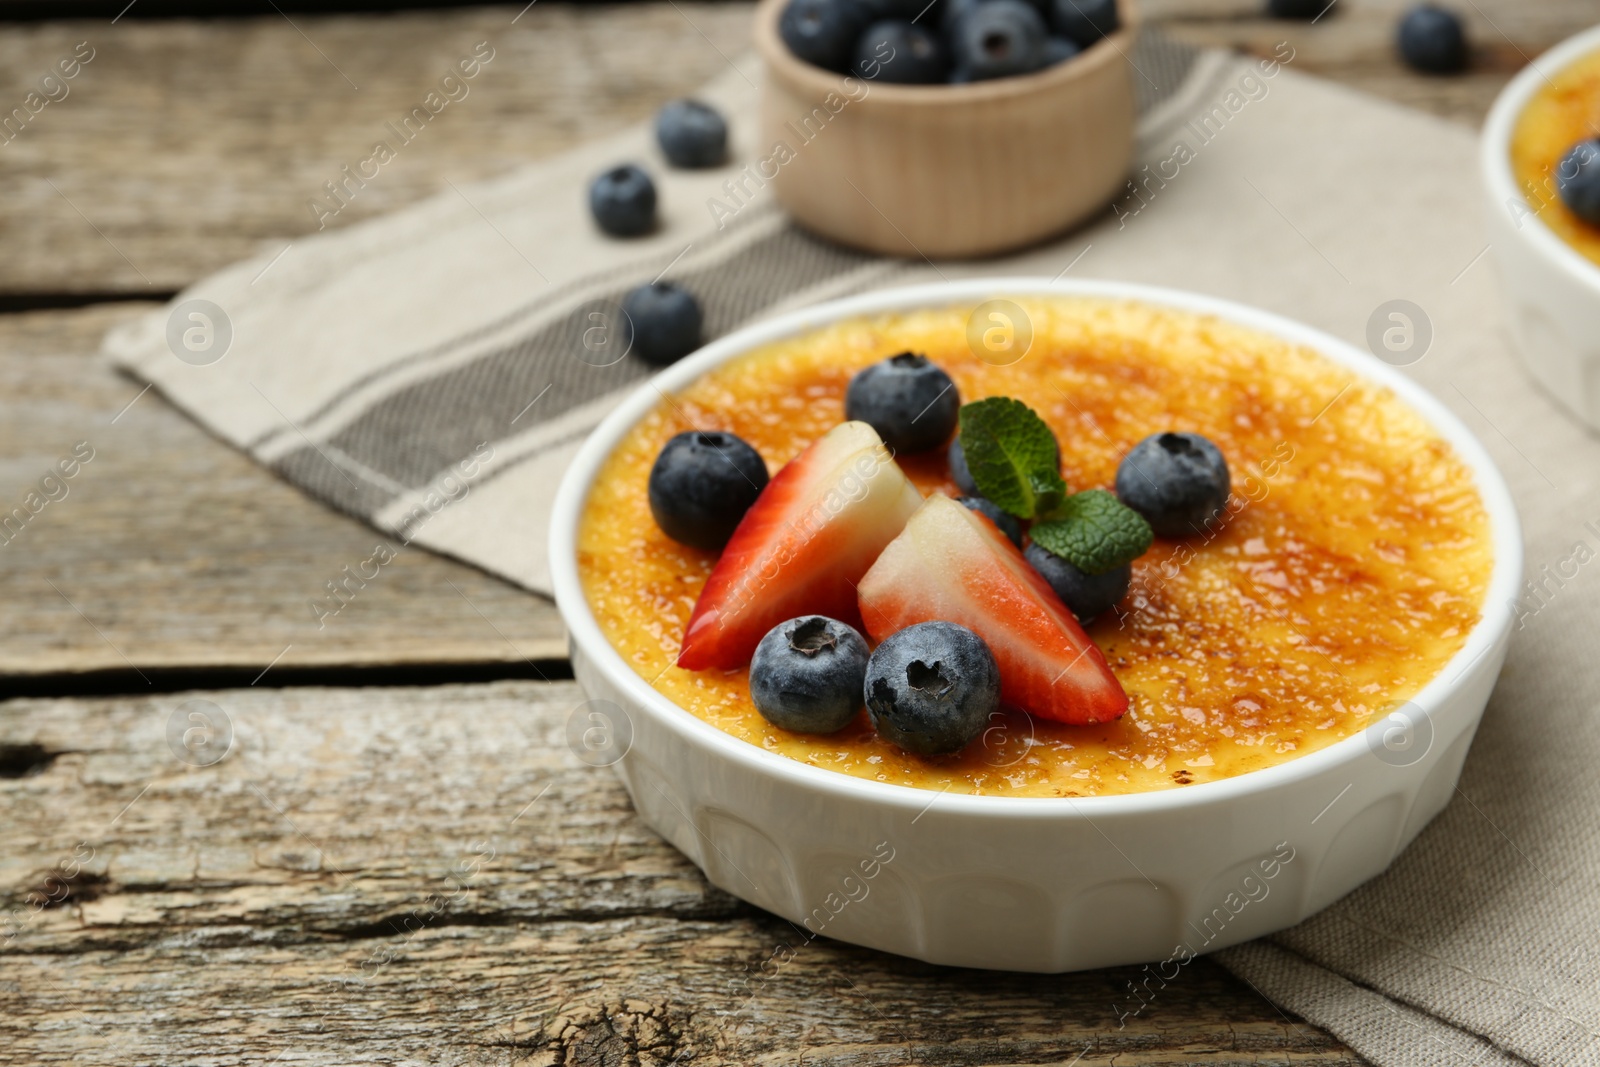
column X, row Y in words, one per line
column 1555, row 156
column 1161, row 549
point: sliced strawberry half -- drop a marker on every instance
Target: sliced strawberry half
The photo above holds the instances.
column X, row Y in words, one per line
column 953, row 564
column 802, row 546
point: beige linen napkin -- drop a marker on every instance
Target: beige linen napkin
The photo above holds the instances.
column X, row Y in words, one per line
column 428, row 372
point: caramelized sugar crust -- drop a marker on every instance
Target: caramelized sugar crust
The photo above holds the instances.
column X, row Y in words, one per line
column 1563, row 112
column 1351, row 569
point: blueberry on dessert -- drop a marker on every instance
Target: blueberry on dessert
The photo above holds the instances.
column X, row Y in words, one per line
column 623, row 201
column 692, row 134
column 949, row 565
column 807, row 674
column 1083, row 22
column 1085, row 550
column 701, row 485
column 823, row 32
column 958, row 468
column 900, row 52
column 662, row 322
column 999, row 38
column 1578, row 180
column 1088, row 595
column 910, row 402
column 1432, row 40
column 994, row 513
column 931, row 688
column 1177, row 481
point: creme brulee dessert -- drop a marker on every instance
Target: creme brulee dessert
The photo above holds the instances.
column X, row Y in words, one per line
column 1348, row 564
column 1555, row 156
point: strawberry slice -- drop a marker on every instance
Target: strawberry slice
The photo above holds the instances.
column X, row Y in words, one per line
column 953, row 564
column 802, row 546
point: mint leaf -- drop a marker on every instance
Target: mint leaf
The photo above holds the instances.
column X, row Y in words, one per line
column 1048, row 490
column 1093, row 531
column 1012, row 455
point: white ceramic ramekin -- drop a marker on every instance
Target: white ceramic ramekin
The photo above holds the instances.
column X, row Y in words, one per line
column 1038, row 884
column 1552, row 293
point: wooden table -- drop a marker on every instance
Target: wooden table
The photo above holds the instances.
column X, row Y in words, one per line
column 400, row 861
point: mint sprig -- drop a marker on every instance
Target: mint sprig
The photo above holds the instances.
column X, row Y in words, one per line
column 1012, row 456
column 1093, row 531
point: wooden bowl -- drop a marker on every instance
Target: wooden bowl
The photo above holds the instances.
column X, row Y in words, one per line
column 945, row 171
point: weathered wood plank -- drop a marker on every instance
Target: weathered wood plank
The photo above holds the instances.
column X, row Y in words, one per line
column 185, row 145
column 170, row 550
column 428, row 875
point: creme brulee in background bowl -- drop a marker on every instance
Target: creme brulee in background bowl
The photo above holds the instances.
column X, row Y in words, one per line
column 1303, row 685
column 1549, row 259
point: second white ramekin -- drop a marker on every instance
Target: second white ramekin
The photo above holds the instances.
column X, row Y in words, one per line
column 1552, row 292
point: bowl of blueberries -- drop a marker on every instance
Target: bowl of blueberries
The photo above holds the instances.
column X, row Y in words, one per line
column 944, row 128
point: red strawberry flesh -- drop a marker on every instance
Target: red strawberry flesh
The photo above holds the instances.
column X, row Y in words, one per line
column 802, row 547
column 953, row 564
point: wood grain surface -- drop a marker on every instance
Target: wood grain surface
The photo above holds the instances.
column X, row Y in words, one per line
column 420, row 873
column 184, row 145
column 169, row 550
column 428, row 875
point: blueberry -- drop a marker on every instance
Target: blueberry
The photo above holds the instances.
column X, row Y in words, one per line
column 807, row 674
column 999, row 38
column 692, row 134
column 1059, row 50
column 1432, row 40
column 948, row 12
column 823, row 32
column 896, row 11
column 931, row 687
column 910, row 402
column 702, row 484
column 1009, row 524
column 623, row 201
column 1083, row 22
column 900, row 52
column 1297, row 9
column 1177, row 481
column 958, row 468
column 1578, row 180
column 1087, row 595
column 951, row 12
column 662, row 322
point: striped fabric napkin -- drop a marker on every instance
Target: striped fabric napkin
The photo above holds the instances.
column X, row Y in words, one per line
column 432, row 372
